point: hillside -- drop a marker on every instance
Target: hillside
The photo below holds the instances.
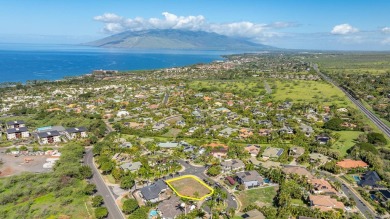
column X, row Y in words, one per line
column 176, row 39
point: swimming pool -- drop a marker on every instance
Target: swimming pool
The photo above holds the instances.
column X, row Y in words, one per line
column 356, row 178
column 266, row 180
column 153, row 213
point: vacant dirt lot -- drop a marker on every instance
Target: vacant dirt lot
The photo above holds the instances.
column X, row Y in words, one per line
column 190, row 187
column 15, row 165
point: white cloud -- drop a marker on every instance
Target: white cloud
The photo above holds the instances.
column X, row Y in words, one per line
column 386, row 30
column 115, row 24
column 386, row 41
column 343, row 29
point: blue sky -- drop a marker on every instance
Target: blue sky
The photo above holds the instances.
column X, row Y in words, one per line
column 297, row 24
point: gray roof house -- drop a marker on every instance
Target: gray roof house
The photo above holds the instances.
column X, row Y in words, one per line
column 271, row 152
column 131, row 166
column 232, row 165
column 249, row 179
column 370, row 179
column 227, row 132
column 15, row 124
column 152, row 192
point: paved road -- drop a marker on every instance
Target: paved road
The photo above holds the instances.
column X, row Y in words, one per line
column 382, row 126
column 363, row 208
column 267, row 87
column 199, row 172
column 166, row 98
column 109, row 201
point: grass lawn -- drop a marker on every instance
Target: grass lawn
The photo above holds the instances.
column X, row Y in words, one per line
column 309, row 91
column 259, row 196
column 253, row 87
column 172, row 133
column 298, row 202
column 346, row 141
column 189, row 187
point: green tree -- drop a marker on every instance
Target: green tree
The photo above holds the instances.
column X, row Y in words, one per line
column 376, row 138
column 140, row 213
column 97, row 201
column 127, row 182
column 334, row 124
column 85, row 172
column 101, row 212
column 214, row 170
column 90, row 189
column 129, row 206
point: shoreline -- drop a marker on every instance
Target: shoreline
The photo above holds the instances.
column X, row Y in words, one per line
column 51, row 64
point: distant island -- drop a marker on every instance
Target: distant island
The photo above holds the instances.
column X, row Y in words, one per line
column 177, row 39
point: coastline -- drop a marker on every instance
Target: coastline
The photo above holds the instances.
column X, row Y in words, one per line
column 50, row 62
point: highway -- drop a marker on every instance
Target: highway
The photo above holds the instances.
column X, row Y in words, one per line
column 109, row 201
column 382, row 126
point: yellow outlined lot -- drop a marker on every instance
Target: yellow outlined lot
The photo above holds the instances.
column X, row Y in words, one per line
column 169, row 181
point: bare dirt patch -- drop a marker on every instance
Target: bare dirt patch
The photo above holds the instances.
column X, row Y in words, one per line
column 15, row 165
column 190, row 187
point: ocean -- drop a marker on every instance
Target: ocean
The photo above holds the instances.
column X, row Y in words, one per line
column 23, row 62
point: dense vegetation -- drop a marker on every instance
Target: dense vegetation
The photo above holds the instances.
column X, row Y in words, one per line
column 48, row 195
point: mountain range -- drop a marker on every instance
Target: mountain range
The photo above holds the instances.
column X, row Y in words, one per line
column 176, row 39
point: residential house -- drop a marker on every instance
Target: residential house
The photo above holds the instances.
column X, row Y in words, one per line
column 296, row 151
column 370, row 179
column 266, row 123
column 308, row 130
column 74, row 133
column 349, row 164
column 321, row 186
column 245, row 133
column 159, row 126
column 15, row 124
column 152, row 193
column 271, row 152
column 169, row 208
column 16, row 133
column 49, row 137
column 126, row 145
column 385, row 195
column 227, row 132
column 253, row 150
column 300, row 171
column 122, row 113
column 264, row 132
column 320, row 158
column 232, row 165
column 323, row 138
column 325, row 203
column 132, row 167
column 249, row 179
column 253, row 214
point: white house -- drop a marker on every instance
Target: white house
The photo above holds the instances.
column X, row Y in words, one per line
column 15, row 124
column 15, row 133
column 49, row 137
column 122, row 113
column 73, row 133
